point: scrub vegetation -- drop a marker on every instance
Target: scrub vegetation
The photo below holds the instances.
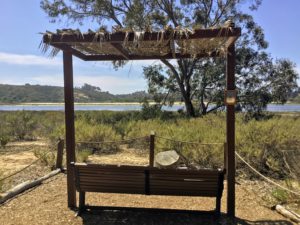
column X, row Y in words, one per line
column 262, row 142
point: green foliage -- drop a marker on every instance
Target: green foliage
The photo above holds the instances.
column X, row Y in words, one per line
column 3, row 141
column 150, row 111
column 96, row 132
column 199, row 82
column 82, row 155
column 280, row 195
column 19, row 125
column 260, row 142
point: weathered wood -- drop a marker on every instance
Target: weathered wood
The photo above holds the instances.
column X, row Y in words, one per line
column 225, row 160
column 69, row 121
column 150, row 57
column 81, row 202
column 60, row 152
column 152, row 147
column 292, row 216
column 148, row 180
column 121, row 50
column 25, row 186
column 230, row 133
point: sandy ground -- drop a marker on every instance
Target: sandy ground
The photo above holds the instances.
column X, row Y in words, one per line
column 47, row 204
column 15, row 157
column 127, row 156
column 8, row 161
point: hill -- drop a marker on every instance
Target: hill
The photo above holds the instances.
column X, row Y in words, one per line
column 44, row 93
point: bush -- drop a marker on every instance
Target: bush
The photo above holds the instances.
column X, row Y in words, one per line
column 82, row 155
column 262, row 143
column 3, row 141
column 280, row 195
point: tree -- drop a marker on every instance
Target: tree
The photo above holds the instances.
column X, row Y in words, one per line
column 200, row 82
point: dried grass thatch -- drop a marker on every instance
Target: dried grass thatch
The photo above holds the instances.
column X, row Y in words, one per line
column 168, row 41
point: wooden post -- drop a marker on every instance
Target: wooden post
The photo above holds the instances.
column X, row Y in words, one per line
column 225, row 160
column 60, row 152
column 69, row 123
column 152, row 146
column 230, row 132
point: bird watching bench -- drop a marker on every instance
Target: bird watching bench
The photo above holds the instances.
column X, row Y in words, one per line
column 148, row 181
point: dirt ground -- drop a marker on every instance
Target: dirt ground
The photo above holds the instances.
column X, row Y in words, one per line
column 47, row 204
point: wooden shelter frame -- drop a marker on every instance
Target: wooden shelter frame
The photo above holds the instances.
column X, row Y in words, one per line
column 68, row 43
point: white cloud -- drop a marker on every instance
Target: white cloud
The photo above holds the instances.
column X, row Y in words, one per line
column 19, row 59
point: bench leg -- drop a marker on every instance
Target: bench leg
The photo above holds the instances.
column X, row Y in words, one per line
column 81, row 202
column 218, row 207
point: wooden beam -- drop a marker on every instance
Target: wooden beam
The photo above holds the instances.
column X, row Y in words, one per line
column 230, row 41
column 148, row 36
column 121, row 50
column 152, row 57
column 230, row 133
column 65, row 47
column 69, row 126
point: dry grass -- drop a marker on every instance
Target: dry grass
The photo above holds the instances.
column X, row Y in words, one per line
column 126, row 156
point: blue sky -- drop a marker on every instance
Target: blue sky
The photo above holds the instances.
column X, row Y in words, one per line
column 22, row 62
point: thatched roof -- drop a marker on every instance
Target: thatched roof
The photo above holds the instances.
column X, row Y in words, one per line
column 134, row 45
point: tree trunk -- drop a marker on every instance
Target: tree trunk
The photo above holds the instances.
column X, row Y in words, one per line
column 189, row 107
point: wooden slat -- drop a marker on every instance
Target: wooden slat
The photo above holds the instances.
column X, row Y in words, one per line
column 184, row 171
column 147, row 180
column 183, row 177
column 116, row 183
column 180, row 193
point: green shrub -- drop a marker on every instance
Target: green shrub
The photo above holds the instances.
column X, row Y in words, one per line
column 82, row 155
column 280, row 195
column 3, row 141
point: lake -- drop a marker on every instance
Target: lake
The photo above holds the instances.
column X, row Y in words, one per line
column 124, row 107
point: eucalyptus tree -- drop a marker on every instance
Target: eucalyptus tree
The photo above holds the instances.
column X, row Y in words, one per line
column 198, row 82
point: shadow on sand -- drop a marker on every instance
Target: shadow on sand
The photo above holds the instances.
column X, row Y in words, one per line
column 144, row 216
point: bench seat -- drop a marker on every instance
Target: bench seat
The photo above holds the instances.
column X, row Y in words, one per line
column 147, row 180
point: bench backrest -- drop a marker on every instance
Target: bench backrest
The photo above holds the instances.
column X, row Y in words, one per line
column 113, row 179
column 148, row 180
column 186, row 182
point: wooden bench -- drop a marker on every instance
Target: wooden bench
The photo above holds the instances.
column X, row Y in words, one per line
column 147, row 180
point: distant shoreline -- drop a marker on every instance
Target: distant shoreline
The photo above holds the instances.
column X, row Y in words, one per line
column 83, row 103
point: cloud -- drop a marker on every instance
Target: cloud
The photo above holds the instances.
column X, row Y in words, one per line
column 113, row 84
column 19, row 59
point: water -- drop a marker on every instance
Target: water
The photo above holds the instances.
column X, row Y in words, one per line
column 122, row 107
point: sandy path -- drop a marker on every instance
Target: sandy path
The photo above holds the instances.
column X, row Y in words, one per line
column 15, row 161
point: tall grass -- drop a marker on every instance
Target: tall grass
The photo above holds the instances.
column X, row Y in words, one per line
column 260, row 142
